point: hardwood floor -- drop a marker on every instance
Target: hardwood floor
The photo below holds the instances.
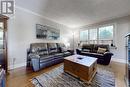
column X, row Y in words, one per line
column 119, row 70
column 21, row 77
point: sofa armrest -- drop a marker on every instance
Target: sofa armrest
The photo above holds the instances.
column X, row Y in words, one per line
column 35, row 61
column 108, row 53
column 31, row 55
column 35, row 64
column 78, row 51
column 28, row 51
column 28, row 58
column 107, row 57
column 71, row 51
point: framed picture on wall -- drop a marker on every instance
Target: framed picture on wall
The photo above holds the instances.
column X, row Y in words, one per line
column 47, row 32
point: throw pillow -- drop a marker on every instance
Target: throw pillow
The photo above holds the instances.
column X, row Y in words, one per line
column 101, row 50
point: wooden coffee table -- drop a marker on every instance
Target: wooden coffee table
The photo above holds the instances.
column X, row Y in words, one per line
column 82, row 67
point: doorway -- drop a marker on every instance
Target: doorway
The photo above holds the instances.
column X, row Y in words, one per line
column 3, row 42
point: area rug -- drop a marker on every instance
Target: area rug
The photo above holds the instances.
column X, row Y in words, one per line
column 57, row 78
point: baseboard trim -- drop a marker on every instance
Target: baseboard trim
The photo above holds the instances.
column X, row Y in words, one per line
column 16, row 66
column 118, row 60
column 24, row 64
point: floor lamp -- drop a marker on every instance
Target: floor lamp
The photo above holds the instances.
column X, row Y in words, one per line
column 73, row 41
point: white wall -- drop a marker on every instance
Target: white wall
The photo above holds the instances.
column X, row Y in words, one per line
column 122, row 27
column 22, row 32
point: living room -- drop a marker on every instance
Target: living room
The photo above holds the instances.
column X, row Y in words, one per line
column 81, row 28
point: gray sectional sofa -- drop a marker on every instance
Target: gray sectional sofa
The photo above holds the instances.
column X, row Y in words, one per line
column 41, row 55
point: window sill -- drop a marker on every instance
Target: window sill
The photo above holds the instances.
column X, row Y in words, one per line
column 113, row 47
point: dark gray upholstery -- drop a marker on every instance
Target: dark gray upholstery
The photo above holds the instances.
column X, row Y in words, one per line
column 91, row 50
column 95, row 48
column 61, row 47
column 41, row 55
column 67, row 54
column 52, row 47
column 39, row 48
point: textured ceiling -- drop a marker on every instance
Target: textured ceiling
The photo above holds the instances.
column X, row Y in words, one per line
column 76, row 13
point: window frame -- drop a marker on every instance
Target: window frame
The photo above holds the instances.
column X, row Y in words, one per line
column 97, row 27
column 99, row 33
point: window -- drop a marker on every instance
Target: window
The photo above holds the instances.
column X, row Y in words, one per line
column 101, row 35
column 93, row 36
column 106, row 33
column 84, row 36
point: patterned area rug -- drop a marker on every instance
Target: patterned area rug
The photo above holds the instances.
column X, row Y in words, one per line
column 57, row 78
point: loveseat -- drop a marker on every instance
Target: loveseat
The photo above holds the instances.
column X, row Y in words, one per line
column 92, row 50
column 41, row 55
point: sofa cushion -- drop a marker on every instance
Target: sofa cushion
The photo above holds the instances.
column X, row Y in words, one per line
column 67, row 53
column 38, row 47
column 34, row 50
column 101, row 50
column 42, row 49
column 58, row 55
column 61, row 47
column 52, row 48
column 46, row 58
column 88, row 47
column 86, row 50
column 96, row 46
column 97, row 55
column 42, row 53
